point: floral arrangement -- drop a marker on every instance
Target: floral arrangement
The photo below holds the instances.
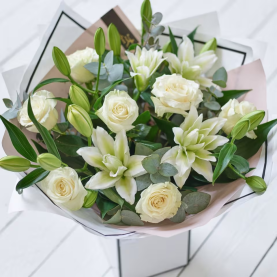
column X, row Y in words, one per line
column 139, row 133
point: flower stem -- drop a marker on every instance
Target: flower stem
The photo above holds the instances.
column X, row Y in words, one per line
column 34, row 166
column 237, row 172
column 98, row 74
column 136, row 96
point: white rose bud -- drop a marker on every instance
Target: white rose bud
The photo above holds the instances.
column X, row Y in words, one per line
column 175, row 94
column 233, row 111
column 64, row 187
column 78, row 60
column 44, row 110
column 158, row 202
column 119, row 111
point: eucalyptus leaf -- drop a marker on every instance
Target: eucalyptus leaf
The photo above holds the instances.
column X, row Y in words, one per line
column 156, row 18
column 151, row 163
column 216, row 92
column 180, row 216
column 220, row 77
column 156, row 31
column 196, row 202
column 131, row 218
column 161, row 151
column 143, row 182
column 93, row 68
column 213, row 105
column 158, row 178
column 121, row 88
column 19, row 141
column 115, row 219
column 225, row 156
column 143, row 150
column 167, row 169
column 108, row 61
column 8, row 102
column 115, row 73
column 114, row 210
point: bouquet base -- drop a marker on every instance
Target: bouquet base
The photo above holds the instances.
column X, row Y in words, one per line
column 147, row 256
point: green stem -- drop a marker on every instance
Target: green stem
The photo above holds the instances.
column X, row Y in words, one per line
column 237, row 172
column 64, row 164
column 98, row 74
column 34, row 166
column 136, row 96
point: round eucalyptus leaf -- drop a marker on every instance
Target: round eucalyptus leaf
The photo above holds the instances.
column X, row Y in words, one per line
column 143, row 150
column 151, row 163
column 8, row 102
column 180, row 216
column 158, row 178
column 143, row 181
column 162, row 151
column 131, row 218
column 93, row 68
column 167, row 170
column 156, row 31
column 196, row 202
column 157, row 18
column 115, row 73
column 108, row 61
column 115, row 219
column 213, row 105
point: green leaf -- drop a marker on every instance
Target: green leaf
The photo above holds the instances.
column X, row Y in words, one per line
column 166, row 127
column 114, row 210
column 151, row 163
column 65, row 100
column 50, row 144
column 152, row 145
column 167, row 170
column 63, row 126
column 39, row 148
column 146, row 96
column 161, row 151
column 32, row 178
column 158, row 178
column 104, row 204
column 152, row 135
column 220, row 77
column 143, row 118
column 180, row 216
column 173, row 42
column 49, row 81
column 113, row 196
column 140, row 131
column 131, row 218
column 19, row 141
column 143, row 182
column 133, row 46
column 217, row 93
column 69, row 144
column 92, row 115
column 213, row 105
column 196, row 202
column 231, row 94
column 115, row 219
column 225, row 156
column 247, row 147
column 8, row 103
column 192, row 34
column 105, row 91
column 143, row 150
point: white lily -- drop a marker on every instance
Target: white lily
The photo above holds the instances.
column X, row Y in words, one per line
column 112, row 157
column 189, row 66
column 195, row 139
column 144, row 63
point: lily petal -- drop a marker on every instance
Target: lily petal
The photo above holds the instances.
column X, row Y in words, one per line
column 135, row 167
column 181, row 179
column 121, row 147
column 127, row 188
column 104, row 141
column 204, row 168
column 102, row 180
column 92, row 156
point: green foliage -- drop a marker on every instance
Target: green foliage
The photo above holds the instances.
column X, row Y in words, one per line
column 131, row 218
column 240, row 129
column 151, row 163
column 90, row 198
column 196, row 202
column 231, row 94
column 143, row 118
column 49, row 81
column 104, row 204
column 143, row 150
column 180, row 216
column 143, row 182
column 60, row 61
column 99, row 41
column 140, row 131
column 220, row 77
column 192, row 34
column 19, row 141
column 113, row 196
column 174, row 46
column 69, row 144
column 241, row 164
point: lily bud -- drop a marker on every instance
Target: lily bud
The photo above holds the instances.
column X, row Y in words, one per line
column 48, row 161
column 78, row 97
column 90, row 198
column 99, row 41
column 80, row 119
column 114, row 39
column 146, row 12
column 14, row 163
column 256, row 183
column 167, row 47
column 240, row 129
column 255, row 118
column 210, row 45
column 60, row 61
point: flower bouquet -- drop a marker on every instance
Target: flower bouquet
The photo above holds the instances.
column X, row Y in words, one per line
column 147, row 141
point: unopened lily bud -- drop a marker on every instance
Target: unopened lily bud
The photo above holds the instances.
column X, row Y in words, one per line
column 114, row 39
column 256, row 183
column 60, row 61
column 14, row 163
column 78, row 97
column 99, row 41
column 48, row 161
column 255, row 118
column 146, row 12
column 90, row 198
column 240, row 129
column 210, row 45
column 80, row 119
column 167, row 47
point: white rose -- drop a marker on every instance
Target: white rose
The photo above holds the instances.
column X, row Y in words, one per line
column 64, row 187
column 44, row 111
column 175, row 94
column 233, row 111
column 78, row 60
column 119, row 111
column 158, row 202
